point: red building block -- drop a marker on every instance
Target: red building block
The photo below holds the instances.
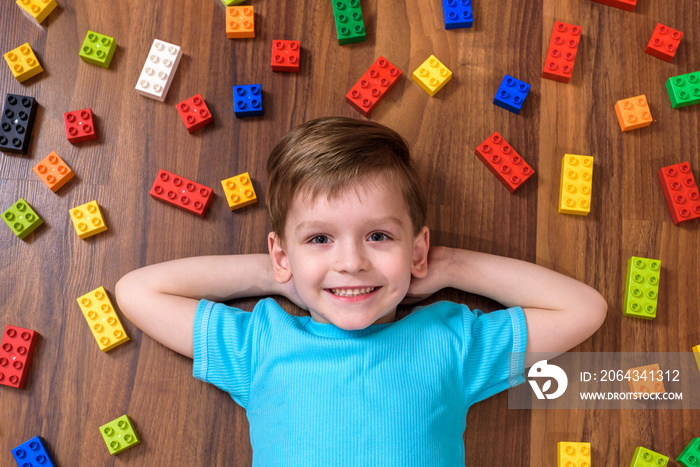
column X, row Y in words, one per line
column 680, row 191
column 16, row 352
column 627, row 5
column 79, row 126
column 285, row 56
column 664, row 42
column 373, row 86
column 182, row 193
column 195, row 113
column 561, row 55
column 502, row 160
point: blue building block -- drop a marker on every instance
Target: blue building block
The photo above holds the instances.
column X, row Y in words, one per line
column 247, row 100
column 33, row 453
column 511, row 94
column 458, row 14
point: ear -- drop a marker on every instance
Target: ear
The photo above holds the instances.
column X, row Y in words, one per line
column 421, row 245
column 280, row 262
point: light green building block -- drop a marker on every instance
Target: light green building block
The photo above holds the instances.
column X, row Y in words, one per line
column 642, row 288
column 690, row 457
column 644, row 457
column 98, row 49
column 119, row 435
column 684, row 89
column 348, row 21
column 232, row 2
column 21, row 218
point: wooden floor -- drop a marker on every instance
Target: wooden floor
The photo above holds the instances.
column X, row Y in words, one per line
column 73, row 387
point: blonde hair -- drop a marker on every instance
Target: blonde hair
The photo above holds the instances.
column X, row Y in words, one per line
column 327, row 155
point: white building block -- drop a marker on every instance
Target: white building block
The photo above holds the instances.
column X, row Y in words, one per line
column 159, row 69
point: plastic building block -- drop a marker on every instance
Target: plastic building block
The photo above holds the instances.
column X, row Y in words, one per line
column 240, row 22
column 247, row 100
column 80, row 126
column 348, row 21
column 575, row 185
column 641, row 288
column 195, row 113
column 102, row 319
column 680, row 191
column 119, row 435
column 627, row 5
column 37, row 10
column 561, row 54
column 690, row 457
column 33, row 453
column 504, row 162
column 696, row 352
column 644, row 457
column 182, row 193
column 458, row 14
column 53, row 171
column 23, row 63
column 87, row 220
column 646, row 379
column 16, row 350
column 158, row 71
column 232, row 2
column 374, row 85
column 17, row 123
column 664, row 42
column 285, row 55
column 432, row 75
column 573, row 454
column 684, row 89
column 98, row 49
column 239, row 191
column 21, row 218
column 633, row 113
column 511, row 94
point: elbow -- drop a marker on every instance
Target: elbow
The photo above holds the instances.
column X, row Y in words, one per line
column 598, row 310
column 123, row 289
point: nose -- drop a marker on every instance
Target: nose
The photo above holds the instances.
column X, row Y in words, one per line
column 351, row 258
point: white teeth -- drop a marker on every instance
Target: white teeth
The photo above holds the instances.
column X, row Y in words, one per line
column 352, row 292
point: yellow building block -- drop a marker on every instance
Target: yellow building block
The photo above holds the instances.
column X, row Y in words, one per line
column 37, row 10
column 240, row 22
column 88, row 220
column 575, row 186
column 573, row 454
column 432, row 75
column 23, row 63
column 239, row 191
column 102, row 319
column 646, row 379
column 696, row 352
column 633, row 113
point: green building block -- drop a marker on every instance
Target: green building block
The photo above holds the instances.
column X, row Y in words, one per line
column 684, row 89
column 644, row 457
column 21, row 218
column 690, row 457
column 98, row 49
column 119, row 435
column 348, row 21
column 642, row 288
column 232, row 2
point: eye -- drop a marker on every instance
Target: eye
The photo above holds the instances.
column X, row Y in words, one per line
column 378, row 237
column 319, row 239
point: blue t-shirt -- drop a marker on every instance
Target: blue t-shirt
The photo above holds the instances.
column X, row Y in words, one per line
column 389, row 394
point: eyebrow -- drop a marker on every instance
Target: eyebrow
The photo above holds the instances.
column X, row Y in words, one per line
column 313, row 225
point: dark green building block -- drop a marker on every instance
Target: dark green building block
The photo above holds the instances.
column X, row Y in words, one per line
column 690, row 457
column 348, row 21
column 21, row 218
column 98, row 49
column 119, row 434
column 684, row 89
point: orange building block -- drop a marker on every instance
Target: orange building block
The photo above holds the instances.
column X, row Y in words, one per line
column 646, row 379
column 53, row 171
column 633, row 113
column 240, row 22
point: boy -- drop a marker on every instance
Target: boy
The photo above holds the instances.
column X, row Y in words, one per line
column 349, row 385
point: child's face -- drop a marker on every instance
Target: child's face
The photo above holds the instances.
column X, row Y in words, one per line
column 352, row 257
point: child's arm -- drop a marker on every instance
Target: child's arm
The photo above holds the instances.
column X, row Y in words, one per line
column 162, row 299
column 560, row 311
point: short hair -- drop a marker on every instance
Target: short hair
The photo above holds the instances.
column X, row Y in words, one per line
column 328, row 155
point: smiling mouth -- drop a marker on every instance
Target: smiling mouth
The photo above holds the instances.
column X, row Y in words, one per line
column 353, row 292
